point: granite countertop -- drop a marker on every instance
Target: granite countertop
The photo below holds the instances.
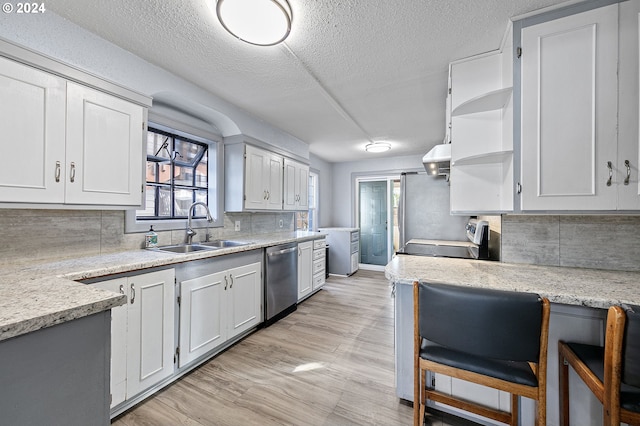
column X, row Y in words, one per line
column 571, row 286
column 44, row 295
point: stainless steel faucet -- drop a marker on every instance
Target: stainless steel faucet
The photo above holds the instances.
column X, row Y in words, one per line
column 190, row 231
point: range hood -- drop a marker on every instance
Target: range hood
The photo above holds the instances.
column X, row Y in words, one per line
column 438, row 160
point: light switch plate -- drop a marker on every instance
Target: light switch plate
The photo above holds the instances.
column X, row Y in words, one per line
column 237, row 227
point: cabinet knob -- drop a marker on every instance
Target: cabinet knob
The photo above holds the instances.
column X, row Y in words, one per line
column 628, row 166
column 610, row 166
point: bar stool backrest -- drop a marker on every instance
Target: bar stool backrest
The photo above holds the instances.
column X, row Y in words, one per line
column 631, row 347
column 489, row 323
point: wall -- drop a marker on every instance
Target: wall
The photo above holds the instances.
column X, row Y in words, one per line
column 602, row 242
column 345, row 174
column 37, row 236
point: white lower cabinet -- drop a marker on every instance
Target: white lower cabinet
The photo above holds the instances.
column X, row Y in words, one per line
column 319, row 263
column 217, row 307
column 142, row 333
column 305, row 265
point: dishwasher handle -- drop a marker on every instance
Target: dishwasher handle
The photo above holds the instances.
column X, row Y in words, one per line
column 284, row 251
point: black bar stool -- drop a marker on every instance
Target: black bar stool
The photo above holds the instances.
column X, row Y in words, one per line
column 611, row 372
column 489, row 337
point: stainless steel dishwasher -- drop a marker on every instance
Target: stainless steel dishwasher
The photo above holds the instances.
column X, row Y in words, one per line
column 281, row 282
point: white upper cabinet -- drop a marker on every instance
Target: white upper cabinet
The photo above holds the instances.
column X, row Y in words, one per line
column 569, row 144
column 626, row 176
column 104, row 148
column 66, row 143
column 481, row 134
column 253, row 178
column 296, row 185
column 33, row 134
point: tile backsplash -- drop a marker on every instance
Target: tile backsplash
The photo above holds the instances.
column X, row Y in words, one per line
column 602, row 242
column 36, row 236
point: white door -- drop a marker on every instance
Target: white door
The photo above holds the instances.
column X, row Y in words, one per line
column 569, row 112
column 32, row 125
column 244, row 298
column 150, row 329
column 290, row 177
column 275, row 182
column 118, row 341
column 305, row 259
column 255, row 190
column 628, row 139
column 202, row 316
column 104, row 149
column 302, row 190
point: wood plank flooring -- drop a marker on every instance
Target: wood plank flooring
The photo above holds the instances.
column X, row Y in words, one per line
column 329, row 363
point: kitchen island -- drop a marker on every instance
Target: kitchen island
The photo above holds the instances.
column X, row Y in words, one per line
column 579, row 299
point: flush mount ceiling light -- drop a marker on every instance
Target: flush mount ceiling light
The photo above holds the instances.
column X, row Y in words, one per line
column 259, row 22
column 377, row 147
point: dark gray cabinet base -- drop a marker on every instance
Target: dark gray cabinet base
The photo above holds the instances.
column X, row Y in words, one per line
column 58, row 375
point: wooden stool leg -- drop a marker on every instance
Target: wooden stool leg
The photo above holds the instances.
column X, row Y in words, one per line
column 514, row 410
column 563, row 388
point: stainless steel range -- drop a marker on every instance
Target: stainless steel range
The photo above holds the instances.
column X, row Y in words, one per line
column 477, row 247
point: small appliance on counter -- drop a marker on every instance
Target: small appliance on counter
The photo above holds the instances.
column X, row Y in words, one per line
column 476, row 248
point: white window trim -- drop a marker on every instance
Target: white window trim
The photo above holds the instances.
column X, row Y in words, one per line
column 216, row 176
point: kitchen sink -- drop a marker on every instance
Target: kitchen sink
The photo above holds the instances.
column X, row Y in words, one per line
column 223, row 243
column 185, row 248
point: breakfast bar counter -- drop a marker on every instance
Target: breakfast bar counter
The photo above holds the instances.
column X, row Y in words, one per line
column 579, row 301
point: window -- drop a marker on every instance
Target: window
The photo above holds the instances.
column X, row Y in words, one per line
column 184, row 164
column 309, row 220
column 176, row 176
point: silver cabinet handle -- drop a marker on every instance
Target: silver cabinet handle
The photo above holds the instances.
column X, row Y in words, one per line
column 133, row 293
column 231, row 276
column 628, row 166
column 268, row 195
column 121, row 288
column 57, row 171
column 72, row 174
column 610, row 173
column 264, row 195
column 226, row 282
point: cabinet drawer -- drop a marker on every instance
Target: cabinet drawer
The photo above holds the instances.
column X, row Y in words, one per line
column 318, row 254
column 355, row 246
column 318, row 280
column 355, row 236
column 318, row 266
column 318, row 244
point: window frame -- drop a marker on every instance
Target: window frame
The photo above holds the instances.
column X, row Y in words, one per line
column 215, row 175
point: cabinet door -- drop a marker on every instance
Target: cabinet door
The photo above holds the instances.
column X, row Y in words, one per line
column 244, row 298
column 104, row 149
column 202, row 316
column 290, row 183
column 628, row 139
column 33, row 134
column 305, row 259
column 150, row 329
column 569, row 111
column 274, row 179
column 256, row 187
column 302, row 190
column 118, row 342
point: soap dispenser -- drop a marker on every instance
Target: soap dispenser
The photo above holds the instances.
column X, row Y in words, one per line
column 151, row 238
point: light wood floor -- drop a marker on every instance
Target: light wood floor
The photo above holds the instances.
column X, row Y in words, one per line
column 329, row 363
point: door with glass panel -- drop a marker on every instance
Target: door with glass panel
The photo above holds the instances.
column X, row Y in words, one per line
column 374, row 222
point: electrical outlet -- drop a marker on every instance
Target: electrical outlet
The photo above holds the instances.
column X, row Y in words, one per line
column 237, row 225
column 281, row 223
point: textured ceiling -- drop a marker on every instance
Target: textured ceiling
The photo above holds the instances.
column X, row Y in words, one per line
column 351, row 71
